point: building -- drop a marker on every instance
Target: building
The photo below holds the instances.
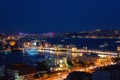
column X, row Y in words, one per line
column 20, row 72
column 85, row 58
column 107, row 73
column 94, row 59
column 57, row 63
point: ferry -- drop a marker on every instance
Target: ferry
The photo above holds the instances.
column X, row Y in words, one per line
column 104, row 45
column 117, row 41
column 62, row 40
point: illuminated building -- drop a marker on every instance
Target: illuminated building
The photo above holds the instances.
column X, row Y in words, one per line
column 57, row 64
column 94, row 58
column 90, row 59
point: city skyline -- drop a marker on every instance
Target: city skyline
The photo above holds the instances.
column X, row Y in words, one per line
column 58, row 16
column 59, row 39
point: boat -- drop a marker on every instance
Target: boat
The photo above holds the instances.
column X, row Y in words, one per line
column 117, row 41
column 104, row 45
column 62, row 40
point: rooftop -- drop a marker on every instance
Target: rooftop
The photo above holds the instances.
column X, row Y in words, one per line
column 22, row 69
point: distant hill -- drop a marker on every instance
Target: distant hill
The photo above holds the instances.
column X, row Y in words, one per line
column 94, row 34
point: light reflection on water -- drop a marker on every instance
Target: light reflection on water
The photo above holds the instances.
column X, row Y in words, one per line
column 20, row 57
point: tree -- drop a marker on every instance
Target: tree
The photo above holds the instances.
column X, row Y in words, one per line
column 69, row 64
column 41, row 66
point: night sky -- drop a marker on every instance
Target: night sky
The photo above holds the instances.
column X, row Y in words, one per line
column 38, row 16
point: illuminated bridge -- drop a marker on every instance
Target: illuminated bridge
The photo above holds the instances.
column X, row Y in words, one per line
column 81, row 51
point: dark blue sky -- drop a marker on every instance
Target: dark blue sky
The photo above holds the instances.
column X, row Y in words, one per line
column 37, row 16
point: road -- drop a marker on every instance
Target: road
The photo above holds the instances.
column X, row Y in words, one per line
column 63, row 75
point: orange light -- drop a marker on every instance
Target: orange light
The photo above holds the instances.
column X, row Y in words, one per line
column 12, row 43
column 118, row 48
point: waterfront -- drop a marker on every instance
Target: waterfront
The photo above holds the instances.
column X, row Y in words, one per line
column 93, row 44
column 60, row 40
